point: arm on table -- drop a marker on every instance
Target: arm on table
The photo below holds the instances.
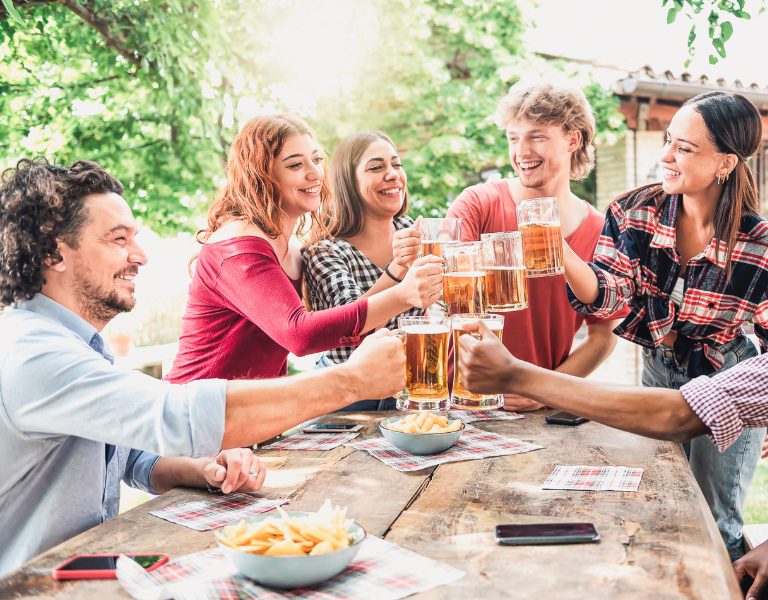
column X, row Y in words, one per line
column 236, row 469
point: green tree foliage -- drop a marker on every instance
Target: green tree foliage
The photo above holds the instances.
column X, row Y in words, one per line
column 155, row 90
column 718, row 14
column 118, row 82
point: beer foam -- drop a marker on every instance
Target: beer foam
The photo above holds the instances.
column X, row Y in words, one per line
column 426, row 329
column 493, row 325
column 541, row 224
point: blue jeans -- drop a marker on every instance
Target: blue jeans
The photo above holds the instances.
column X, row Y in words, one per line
column 724, row 478
column 362, row 405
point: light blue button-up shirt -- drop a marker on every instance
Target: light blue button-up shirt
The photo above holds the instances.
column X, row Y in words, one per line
column 65, row 409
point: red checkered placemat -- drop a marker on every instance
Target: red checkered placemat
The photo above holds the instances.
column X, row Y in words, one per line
column 470, row 416
column 473, row 443
column 216, row 511
column 381, row 570
column 311, row 441
column 617, row 479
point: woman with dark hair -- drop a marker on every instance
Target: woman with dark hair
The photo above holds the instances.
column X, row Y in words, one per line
column 244, row 313
column 689, row 257
column 356, row 250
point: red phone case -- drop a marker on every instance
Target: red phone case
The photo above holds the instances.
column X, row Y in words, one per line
column 100, row 573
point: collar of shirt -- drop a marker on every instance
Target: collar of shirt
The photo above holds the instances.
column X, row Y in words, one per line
column 665, row 235
column 47, row 307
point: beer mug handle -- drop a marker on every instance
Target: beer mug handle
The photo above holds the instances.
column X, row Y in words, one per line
column 402, row 394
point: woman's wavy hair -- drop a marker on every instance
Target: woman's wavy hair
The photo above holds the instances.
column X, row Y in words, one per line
column 342, row 216
column 734, row 126
column 40, row 205
column 549, row 104
column 251, row 191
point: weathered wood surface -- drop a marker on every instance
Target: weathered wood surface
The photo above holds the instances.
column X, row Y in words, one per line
column 659, row 542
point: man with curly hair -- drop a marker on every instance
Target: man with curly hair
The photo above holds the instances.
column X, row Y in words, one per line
column 73, row 423
column 550, row 130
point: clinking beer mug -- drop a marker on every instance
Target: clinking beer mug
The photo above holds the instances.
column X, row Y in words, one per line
column 506, row 287
column 435, row 232
column 539, row 221
column 426, row 368
column 463, row 278
column 461, row 397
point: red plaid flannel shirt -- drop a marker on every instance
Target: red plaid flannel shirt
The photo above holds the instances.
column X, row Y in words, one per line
column 637, row 264
column 732, row 400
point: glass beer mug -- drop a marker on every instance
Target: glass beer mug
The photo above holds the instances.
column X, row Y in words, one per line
column 506, row 288
column 426, row 363
column 461, row 398
column 463, row 278
column 434, row 232
column 539, row 222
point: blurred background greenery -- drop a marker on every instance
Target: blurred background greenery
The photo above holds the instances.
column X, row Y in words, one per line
column 155, row 91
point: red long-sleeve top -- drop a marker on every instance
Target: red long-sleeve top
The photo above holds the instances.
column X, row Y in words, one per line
column 244, row 315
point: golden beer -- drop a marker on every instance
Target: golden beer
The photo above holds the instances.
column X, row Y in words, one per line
column 430, row 247
column 506, row 288
column 464, row 292
column 461, row 398
column 434, row 232
column 426, row 341
column 543, row 249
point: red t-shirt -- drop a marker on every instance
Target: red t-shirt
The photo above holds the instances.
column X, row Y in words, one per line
column 543, row 334
column 244, row 315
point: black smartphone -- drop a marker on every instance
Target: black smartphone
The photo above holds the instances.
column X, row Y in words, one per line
column 546, row 533
column 332, row 427
column 564, row 418
column 102, row 566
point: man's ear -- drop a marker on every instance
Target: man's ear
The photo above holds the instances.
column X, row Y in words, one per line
column 574, row 140
column 58, row 265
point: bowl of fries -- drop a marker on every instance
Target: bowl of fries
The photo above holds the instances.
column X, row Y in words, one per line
column 422, row 433
column 292, row 549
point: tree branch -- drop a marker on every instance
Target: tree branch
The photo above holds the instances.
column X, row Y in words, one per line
column 22, row 4
column 116, row 41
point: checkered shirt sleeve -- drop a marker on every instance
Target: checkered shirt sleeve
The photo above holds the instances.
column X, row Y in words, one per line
column 338, row 273
column 732, row 400
column 614, row 269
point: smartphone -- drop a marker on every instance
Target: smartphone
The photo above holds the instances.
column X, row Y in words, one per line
column 333, row 427
column 564, row 418
column 546, row 533
column 102, row 566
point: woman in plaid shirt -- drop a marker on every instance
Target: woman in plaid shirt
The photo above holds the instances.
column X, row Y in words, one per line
column 689, row 257
column 357, row 249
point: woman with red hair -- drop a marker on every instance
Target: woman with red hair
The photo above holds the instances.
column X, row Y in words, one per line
column 244, row 313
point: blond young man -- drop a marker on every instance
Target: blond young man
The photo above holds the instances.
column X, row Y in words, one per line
column 550, row 132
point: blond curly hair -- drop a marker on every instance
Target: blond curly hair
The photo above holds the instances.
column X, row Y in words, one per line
column 549, row 104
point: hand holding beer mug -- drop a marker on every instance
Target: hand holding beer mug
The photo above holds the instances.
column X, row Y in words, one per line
column 506, row 288
column 426, row 363
column 539, row 221
column 461, row 398
column 406, row 244
column 463, row 278
column 434, row 232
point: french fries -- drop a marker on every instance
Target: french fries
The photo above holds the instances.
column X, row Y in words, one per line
column 424, row 422
column 325, row 531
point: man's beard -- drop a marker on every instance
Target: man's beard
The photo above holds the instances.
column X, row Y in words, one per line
column 96, row 304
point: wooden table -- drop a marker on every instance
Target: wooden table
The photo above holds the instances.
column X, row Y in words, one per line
column 660, row 542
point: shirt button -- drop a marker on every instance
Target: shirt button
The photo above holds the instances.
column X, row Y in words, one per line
column 711, row 305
